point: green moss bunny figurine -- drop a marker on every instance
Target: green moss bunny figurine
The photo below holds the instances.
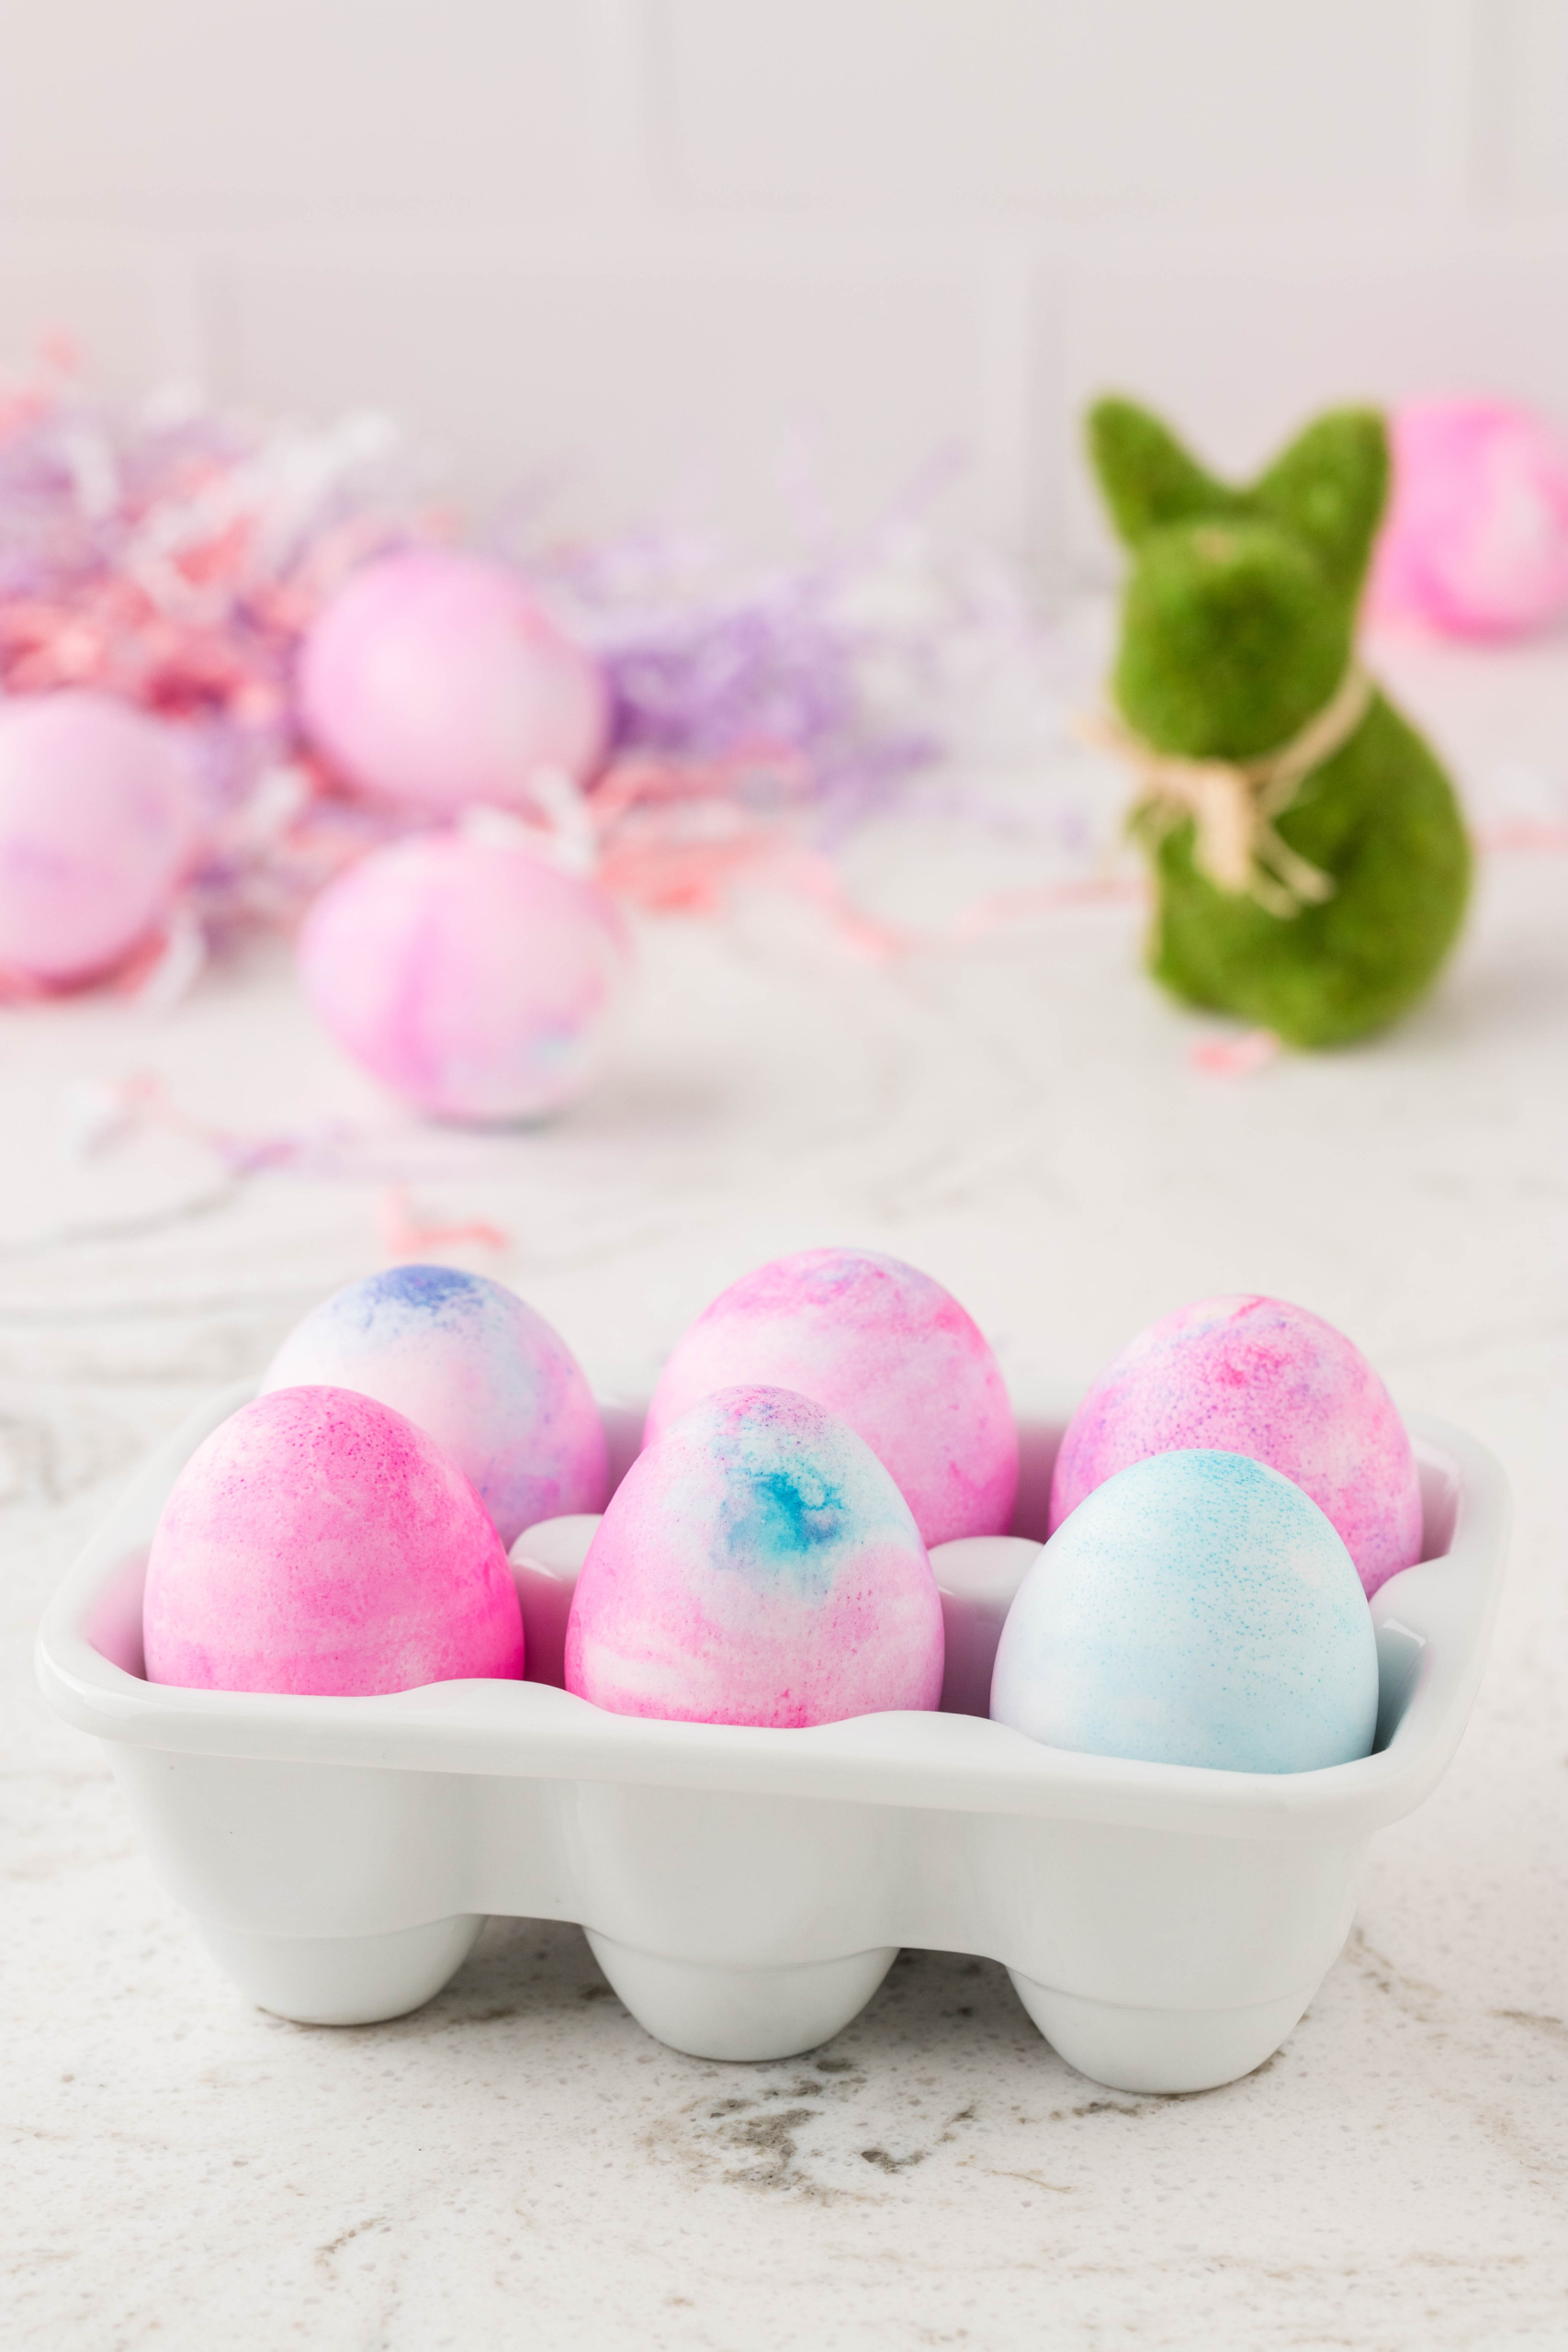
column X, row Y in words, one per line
column 1311, row 862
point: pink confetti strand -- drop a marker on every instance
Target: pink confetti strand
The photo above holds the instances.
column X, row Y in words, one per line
column 1007, row 907
column 1523, row 834
column 143, row 1099
column 1235, row 1057
column 873, row 940
column 405, row 1235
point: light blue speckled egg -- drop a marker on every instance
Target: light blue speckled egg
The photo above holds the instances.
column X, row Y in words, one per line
column 1195, row 1609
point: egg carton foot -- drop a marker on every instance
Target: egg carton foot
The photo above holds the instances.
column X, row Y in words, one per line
column 346, row 1980
column 745, row 2013
column 1159, row 2050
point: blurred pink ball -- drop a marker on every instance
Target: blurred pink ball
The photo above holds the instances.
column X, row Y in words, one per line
column 471, row 977
column 96, row 823
column 1476, row 540
column 435, row 680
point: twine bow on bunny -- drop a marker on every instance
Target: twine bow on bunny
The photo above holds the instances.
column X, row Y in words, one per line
column 1234, row 803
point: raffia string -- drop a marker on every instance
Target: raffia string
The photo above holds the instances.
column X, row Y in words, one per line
column 1234, row 803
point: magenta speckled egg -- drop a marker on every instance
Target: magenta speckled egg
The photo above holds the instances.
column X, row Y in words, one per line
column 476, row 1369
column 435, row 680
column 472, row 977
column 887, row 1349
column 96, row 823
column 757, row 1566
column 319, row 1543
column 1259, row 1377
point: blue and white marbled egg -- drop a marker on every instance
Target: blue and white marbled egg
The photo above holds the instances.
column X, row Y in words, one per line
column 1197, row 1608
column 470, row 1363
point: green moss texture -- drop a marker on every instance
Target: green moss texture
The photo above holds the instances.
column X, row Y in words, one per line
column 1238, row 622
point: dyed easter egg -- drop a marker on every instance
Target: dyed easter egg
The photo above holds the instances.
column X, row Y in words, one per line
column 1475, row 544
column 886, row 1349
column 1258, row 1376
column 472, row 977
column 756, row 1565
column 435, row 680
column 473, row 1367
column 1197, row 1609
column 319, row 1543
column 96, row 823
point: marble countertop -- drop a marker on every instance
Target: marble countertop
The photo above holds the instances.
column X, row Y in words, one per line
column 1024, row 1117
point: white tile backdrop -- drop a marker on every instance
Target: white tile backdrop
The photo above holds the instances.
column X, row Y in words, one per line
column 671, row 253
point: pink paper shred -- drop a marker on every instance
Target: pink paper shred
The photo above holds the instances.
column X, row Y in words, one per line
column 405, row 1235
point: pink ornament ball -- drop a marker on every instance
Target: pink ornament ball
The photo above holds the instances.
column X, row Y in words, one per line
column 757, row 1566
column 435, row 680
column 1259, row 1377
column 474, row 1367
column 96, row 823
column 317, row 1542
column 889, row 1352
column 472, row 977
column 1476, row 540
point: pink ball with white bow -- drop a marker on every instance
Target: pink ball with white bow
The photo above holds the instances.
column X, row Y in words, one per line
column 1476, row 540
column 97, row 823
column 435, row 680
column 475, row 978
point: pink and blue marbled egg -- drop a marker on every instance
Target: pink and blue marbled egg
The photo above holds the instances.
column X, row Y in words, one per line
column 467, row 1362
column 317, row 1542
column 474, row 979
column 889, row 1352
column 756, row 1565
column 1260, row 1378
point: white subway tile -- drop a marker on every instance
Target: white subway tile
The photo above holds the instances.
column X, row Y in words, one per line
column 639, row 384
column 122, row 313
column 1239, row 352
column 187, row 113
column 1525, row 90
column 1236, row 107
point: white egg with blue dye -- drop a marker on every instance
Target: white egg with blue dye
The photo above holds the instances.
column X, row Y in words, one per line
column 1197, row 1608
column 470, row 1363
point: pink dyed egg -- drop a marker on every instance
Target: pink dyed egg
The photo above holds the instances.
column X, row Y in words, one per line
column 477, row 1370
column 472, row 977
column 757, row 1566
column 96, row 823
column 319, row 1543
column 887, row 1349
column 1476, row 540
column 1259, row 1377
column 435, row 680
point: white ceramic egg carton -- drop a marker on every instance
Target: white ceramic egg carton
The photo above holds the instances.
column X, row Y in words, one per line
column 745, row 1891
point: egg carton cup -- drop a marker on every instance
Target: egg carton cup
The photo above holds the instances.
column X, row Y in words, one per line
column 746, row 1891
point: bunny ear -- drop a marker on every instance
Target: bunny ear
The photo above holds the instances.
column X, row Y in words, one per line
column 1146, row 475
column 1329, row 488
